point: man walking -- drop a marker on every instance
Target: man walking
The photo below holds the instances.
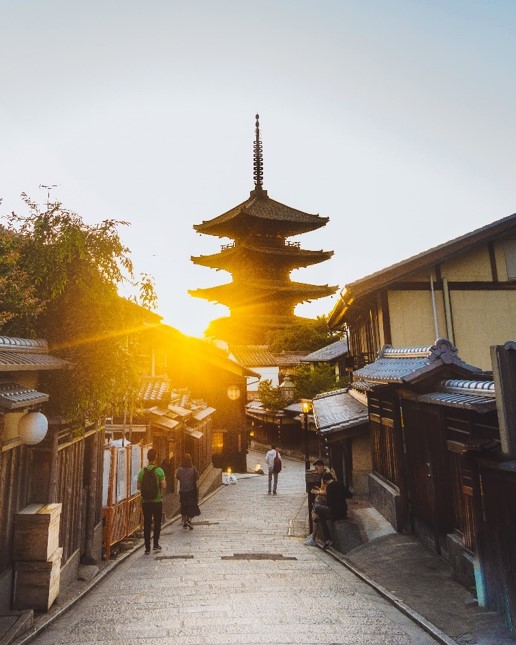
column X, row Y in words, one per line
column 274, row 463
column 151, row 481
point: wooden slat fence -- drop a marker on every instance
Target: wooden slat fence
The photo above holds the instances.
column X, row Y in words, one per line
column 15, row 465
column 121, row 507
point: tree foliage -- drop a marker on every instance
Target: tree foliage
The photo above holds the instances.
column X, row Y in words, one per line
column 70, row 274
column 18, row 295
column 309, row 382
column 302, row 336
column 270, row 397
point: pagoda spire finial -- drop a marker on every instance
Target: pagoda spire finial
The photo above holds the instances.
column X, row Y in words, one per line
column 258, row 157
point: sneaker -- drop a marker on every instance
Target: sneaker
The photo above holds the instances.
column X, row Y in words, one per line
column 157, row 548
column 190, row 526
column 310, row 541
column 275, row 493
column 147, row 551
column 268, row 492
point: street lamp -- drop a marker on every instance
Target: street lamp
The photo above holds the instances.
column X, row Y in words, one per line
column 306, row 406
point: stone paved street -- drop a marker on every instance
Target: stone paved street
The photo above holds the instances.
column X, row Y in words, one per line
column 276, row 589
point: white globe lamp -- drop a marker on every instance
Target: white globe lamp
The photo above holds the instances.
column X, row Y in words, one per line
column 32, row 428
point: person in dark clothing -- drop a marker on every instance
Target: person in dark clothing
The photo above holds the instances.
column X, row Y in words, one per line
column 188, row 477
column 335, row 507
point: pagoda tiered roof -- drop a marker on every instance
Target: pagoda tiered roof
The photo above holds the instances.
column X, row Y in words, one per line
column 249, row 329
column 261, row 296
column 235, row 295
column 288, row 255
column 261, row 215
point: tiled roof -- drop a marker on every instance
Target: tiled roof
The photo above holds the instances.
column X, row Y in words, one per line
column 338, row 410
column 13, row 396
column 287, row 254
column 25, row 361
column 329, row 353
column 261, row 206
column 33, row 345
column 408, row 364
column 470, row 395
column 289, row 359
column 180, row 411
column 253, row 355
column 233, row 294
column 154, row 390
column 165, row 423
column 202, row 413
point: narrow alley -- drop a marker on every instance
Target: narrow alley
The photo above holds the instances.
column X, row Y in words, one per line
column 237, row 577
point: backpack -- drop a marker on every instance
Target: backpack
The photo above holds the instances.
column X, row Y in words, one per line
column 149, row 486
column 277, row 464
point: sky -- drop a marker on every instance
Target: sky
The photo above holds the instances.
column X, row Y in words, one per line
column 394, row 118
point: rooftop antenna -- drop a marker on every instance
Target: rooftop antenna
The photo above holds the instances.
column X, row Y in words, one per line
column 48, row 188
column 258, row 157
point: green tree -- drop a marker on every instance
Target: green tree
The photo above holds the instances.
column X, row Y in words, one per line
column 76, row 269
column 18, row 297
column 310, row 382
column 302, row 336
column 270, row 397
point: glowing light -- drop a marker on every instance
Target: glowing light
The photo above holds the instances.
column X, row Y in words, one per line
column 234, row 392
column 306, row 405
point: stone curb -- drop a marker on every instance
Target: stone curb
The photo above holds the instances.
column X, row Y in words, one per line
column 416, row 617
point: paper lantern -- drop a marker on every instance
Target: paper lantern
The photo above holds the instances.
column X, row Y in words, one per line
column 234, row 392
column 32, row 428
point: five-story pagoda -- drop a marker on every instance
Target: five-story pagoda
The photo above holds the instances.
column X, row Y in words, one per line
column 261, row 296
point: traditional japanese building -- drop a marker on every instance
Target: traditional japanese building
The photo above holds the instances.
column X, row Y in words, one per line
column 260, row 259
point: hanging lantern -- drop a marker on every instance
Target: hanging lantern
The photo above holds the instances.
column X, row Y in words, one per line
column 234, row 392
column 32, row 428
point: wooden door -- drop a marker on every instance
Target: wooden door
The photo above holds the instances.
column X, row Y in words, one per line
column 497, row 542
column 429, row 483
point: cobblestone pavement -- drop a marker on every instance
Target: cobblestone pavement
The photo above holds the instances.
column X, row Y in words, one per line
column 236, row 578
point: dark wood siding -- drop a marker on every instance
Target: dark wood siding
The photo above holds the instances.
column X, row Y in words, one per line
column 497, row 542
column 15, row 468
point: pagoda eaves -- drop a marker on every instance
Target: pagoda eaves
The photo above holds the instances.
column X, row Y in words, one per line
column 289, row 256
column 234, row 295
column 262, row 216
column 261, row 297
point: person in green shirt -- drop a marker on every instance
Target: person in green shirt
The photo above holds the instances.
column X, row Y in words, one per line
column 152, row 503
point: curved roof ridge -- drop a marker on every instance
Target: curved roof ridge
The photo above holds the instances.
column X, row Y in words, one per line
column 10, row 342
column 480, row 388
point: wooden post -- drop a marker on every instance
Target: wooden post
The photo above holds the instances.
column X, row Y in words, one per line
column 54, row 470
column 503, row 359
column 93, row 483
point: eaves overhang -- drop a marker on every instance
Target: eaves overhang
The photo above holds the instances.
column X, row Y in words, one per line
column 429, row 258
column 14, row 396
column 339, row 412
column 412, row 364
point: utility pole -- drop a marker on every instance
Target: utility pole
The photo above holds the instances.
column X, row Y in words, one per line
column 48, row 188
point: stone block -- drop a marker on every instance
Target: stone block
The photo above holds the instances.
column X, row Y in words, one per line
column 345, row 535
column 36, row 584
column 36, row 532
